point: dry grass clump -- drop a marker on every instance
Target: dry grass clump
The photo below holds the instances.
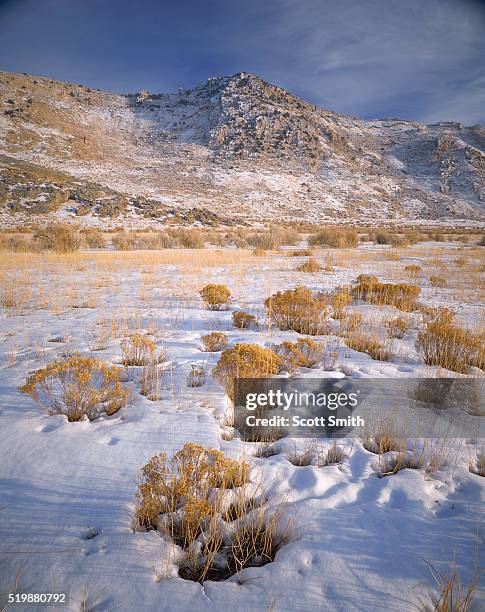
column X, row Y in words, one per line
column 155, row 242
column 350, row 322
column 413, row 269
column 273, row 238
column 243, row 320
column 304, row 457
column 310, row 265
column 332, row 456
column 382, row 442
column 17, row 244
column 300, row 253
column 439, row 314
column 200, row 499
column 258, row 252
column 58, row 238
column 188, row 238
column 93, row 238
column 454, row 595
column 449, row 346
column 215, row 297
column 151, row 381
column 396, row 240
column 299, row 310
column 370, row 344
column 214, row 342
column 304, row 353
column 402, row 460
column 335, row 237
column 78, row 387
column 397, row 328
column 138, row 350
column 400, row 295
column 124, row 241
column 245, row 361
column 438, row 281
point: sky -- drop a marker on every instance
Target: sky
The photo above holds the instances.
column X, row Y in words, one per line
column 415, row 59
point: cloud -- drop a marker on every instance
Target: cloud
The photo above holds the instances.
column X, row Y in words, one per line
column 411, row 58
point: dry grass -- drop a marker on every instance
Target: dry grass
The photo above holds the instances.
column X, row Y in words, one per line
column 59, row 238
column 371, row 344
column 300, row 253
column 397, row 328
column 438, row 281
column 335, row 237
column 78, row 387
column 350, row 322
column 310, row 265
column 151, row 381
column 454, row 595
column 332, row 456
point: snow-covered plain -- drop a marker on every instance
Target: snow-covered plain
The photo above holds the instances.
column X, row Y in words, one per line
column 361, row 542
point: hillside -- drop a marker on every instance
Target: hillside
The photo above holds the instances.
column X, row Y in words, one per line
column 236, row 149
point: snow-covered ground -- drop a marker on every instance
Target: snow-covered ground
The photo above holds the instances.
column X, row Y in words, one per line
column 361, row 542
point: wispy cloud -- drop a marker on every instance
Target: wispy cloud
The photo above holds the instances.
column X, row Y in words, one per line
column 418, row 59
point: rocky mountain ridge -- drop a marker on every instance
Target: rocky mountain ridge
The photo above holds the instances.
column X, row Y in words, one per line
column 235, row 149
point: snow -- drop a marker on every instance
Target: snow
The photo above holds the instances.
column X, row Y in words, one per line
column 360, row 541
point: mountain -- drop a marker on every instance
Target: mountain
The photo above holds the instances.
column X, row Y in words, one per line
column 235, row 149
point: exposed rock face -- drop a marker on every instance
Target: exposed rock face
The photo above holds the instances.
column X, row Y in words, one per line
column 236, row 148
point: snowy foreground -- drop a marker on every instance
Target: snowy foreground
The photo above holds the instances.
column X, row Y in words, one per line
column 68, row 489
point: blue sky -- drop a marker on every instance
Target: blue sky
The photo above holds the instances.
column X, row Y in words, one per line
column 421, row 59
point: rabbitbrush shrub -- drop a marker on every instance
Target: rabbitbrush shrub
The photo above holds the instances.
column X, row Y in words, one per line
column 59, row 238
column 93, row 238
column 200, row 500
column 243, row 320
column 299, row 310
column 304, row 353
column 400, row 295
column 214, row 342
column 370, row 344
column 215, row 297
column 166, row 484
column 339, row 300
column 245, row 361
column 138, row 350
column 76, row 387
column 452, row 347
column 310, row 265
column 335, row 237
column 396, row 328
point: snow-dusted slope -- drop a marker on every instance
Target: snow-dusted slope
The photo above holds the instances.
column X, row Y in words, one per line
column 237, row 147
